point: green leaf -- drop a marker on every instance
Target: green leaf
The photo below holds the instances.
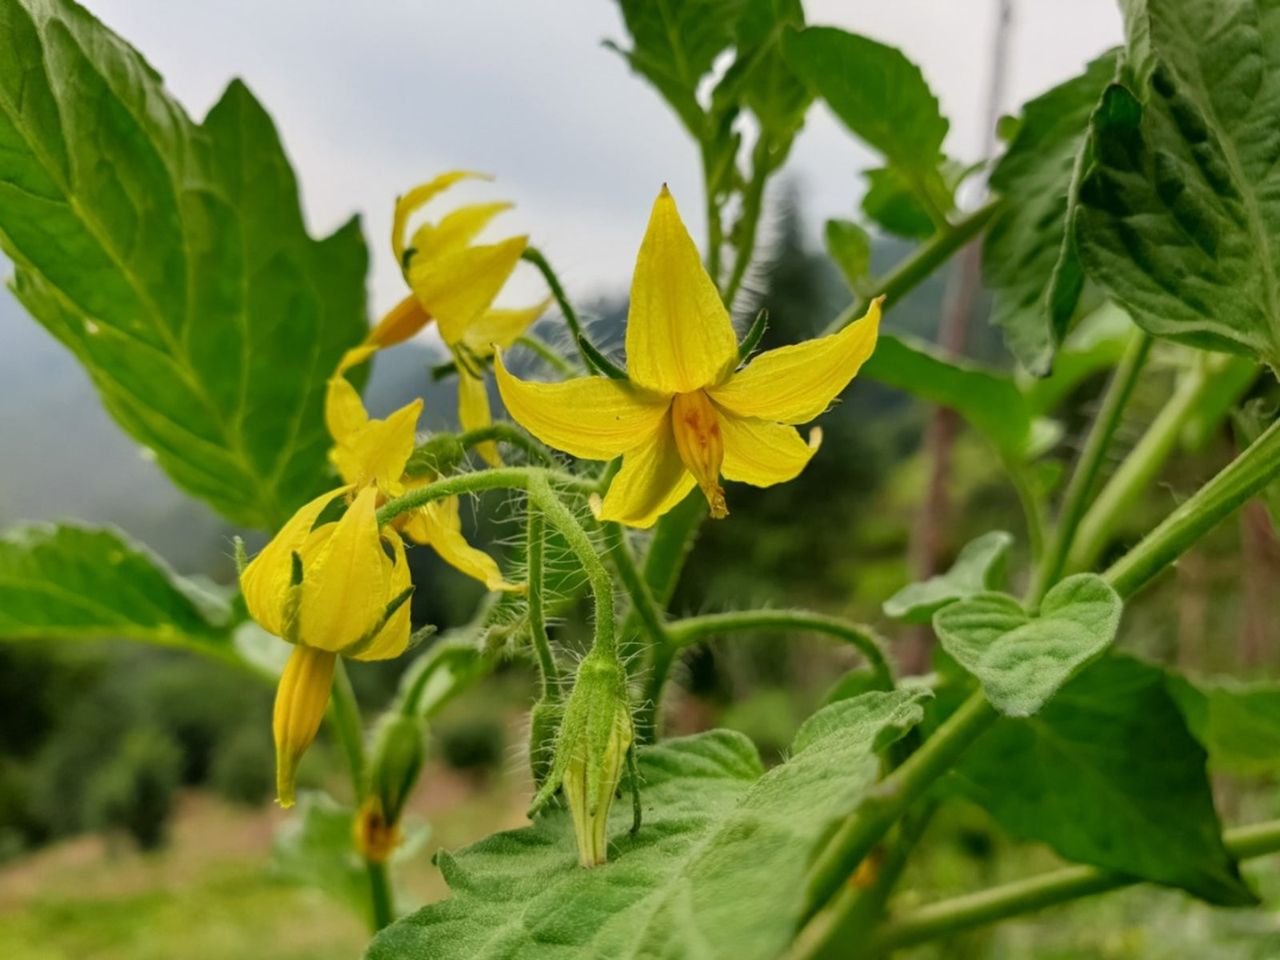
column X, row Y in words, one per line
column 1027, row 259
column 314, row 848
column 979, row 567
column 849, row 247
column 759, row 77
column 1096, row 344
column 1107, row 774
column 674, row 44
column 989, row 401
column 717, row 869
column 1178, row 217
column 1238, row 723
column 892, row 202
column 876, row 91
column 68, row 582
column 172, row 260
column 1022, row 660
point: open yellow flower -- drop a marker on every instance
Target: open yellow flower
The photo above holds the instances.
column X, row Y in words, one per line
column 372, row 451
column 687, row 415
column 331, row 588
column 455, row 282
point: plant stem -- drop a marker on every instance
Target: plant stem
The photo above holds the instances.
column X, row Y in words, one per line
column 642, row 602
column 692, row 629
column 548, row 354
column 1239, row 480
column 534, row 256
column 1085, row 475
column 1032, row 508
column 752, row 204
column 923, row 261
column 345, row 716
column 506, row 433
column 1036, row 893
column 890, row 799
column 534, row 553
column 502, row 478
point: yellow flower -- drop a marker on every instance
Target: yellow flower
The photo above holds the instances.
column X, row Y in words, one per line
column 455, row 281
column 371, row 451
column 330, row 587
column 688, row 415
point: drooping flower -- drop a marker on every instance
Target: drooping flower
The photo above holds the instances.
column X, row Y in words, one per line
column 331, row 587
column 455, row 282
column 368, row 450
column 687, row 415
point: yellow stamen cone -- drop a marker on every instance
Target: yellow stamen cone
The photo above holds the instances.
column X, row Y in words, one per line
column 301, row 700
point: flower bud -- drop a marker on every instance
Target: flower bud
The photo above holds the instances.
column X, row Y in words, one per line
column 397, row 762
column 591, row 749
column 376, row 837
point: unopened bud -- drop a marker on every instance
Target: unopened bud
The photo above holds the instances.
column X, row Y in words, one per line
column 376, row 837
column 397, row 762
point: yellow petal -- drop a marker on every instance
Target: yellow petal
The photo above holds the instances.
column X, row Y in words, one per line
column 456, row 230
column 439, row 526
column 590, row 417
column 401, row 322
column 345, row 578
column 344, row 413
column 653, row 479
column 796, row 383
column 679, row 337
column 354, row 357
column 501, row 328
column 763, row 453
column 473, row 413
column 393, row 638
column 301, row 699
column 377, row 451
column 458, row 287
column 408, row 204
column 265, row 581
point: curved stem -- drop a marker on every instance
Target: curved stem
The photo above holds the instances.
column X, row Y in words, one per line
column 1092, row 456
column 920, row 264
column 508, row 434
column 1239, row 480
column 1036, row 893
column 752, row 204
column 502, row 478
column 548, row 354
column 692, row 629
column 535, row 549
column 534, row 256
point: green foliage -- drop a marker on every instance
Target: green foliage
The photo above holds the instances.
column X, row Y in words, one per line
column 1177, row 217
column 243, row 766
column 718, row 862
column 849, row 247
column 980, row 566
column 134, row 792
column 891, row 202
column 1108, row 774
column 172, row 260
column 1238, row 723
column 316, row 848
column 1022, row 659
column 1028, row 258
column 69, row 582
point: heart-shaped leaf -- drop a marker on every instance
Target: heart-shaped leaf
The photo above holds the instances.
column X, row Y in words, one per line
column 979, row 567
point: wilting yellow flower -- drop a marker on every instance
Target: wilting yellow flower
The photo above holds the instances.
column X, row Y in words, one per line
column 688, row 415
column 455, row 281
column 334, row 588
column 371, row 451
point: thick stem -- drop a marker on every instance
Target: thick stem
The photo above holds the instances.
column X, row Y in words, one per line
column 1094, row 454
column 890, row 799
column 920, row 264
column 691, row 630
column 534, row 553
column 1234, row 484
column 1036, row 893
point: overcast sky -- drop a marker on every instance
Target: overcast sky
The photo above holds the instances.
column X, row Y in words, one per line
column 373, row 97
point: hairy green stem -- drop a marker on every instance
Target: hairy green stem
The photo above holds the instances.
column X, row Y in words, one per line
column 1085, row 475
column 858, row 835
column 508, row 434
column 1239, row 480
column 920, row 264
column 501, row 478
column 534, row 256
column 1036, row 893
column 642, row 601
column 535, row 549
column 549, row 355
column 692, row 629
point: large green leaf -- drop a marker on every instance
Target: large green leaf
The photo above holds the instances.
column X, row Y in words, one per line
column 716, row 870
column 1179, row 211
column 980, row 566
column 72, row 582
column 988, row 400
column 1022, row 660
column 1027, row 258
column 1108, row 774
column 1238, row 723
column 674, row 44
column 759, row 77
column 173, row 261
